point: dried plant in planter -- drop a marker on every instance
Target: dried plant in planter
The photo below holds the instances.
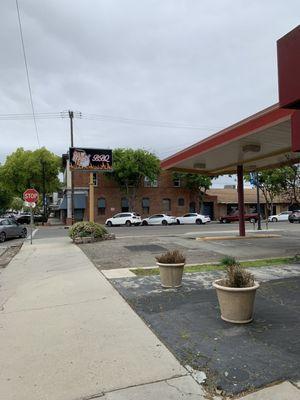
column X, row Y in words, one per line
column 237, row 277
column 171, row 257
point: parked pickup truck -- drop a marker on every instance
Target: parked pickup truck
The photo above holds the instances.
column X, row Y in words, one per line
column 226, row 219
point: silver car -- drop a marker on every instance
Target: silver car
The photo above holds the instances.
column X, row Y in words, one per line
column 10, row 229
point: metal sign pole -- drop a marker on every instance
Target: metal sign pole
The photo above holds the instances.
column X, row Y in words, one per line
column 91, row 203
column 31, row 222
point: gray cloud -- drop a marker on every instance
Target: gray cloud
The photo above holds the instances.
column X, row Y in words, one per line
column 202, row 63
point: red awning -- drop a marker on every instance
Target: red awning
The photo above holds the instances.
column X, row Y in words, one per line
column 258, row 142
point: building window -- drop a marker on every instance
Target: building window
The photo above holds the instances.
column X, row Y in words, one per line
column 181, row 202
column 101, row 206
column 149, row 183
column 95, row 179
column 166, row 205
column 146, row 205
column 124, row 204
column 176, row 182
column 192, row 207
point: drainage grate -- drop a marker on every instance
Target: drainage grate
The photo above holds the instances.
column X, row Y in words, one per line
column 153, row 248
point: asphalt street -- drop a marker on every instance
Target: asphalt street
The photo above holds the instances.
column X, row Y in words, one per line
column 285, row 228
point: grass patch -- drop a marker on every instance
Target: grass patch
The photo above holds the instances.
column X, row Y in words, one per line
column 266, row 262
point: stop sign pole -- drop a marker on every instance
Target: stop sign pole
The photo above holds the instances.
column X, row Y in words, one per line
column 31, row 196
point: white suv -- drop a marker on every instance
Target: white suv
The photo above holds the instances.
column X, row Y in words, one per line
column 126, row 218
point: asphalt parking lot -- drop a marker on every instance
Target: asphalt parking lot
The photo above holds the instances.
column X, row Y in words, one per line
column 235, row 358
column 138, row 246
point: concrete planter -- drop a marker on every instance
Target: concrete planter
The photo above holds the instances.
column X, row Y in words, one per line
column 91, row 239
column 170, row 274
column 236, row 304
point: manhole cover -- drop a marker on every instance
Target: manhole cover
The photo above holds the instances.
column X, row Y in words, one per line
column 153, row 248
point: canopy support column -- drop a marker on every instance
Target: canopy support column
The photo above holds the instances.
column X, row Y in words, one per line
column 241, row 206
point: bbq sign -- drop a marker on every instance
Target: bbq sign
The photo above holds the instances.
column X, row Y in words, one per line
column 90, row 159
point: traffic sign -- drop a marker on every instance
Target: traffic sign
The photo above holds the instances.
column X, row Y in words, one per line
column 31, row 196
column 32, row 205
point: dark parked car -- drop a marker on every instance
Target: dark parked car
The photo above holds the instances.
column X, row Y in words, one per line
column 9, row 229
column 25, row 218
column 226, row 219
column 295, row 216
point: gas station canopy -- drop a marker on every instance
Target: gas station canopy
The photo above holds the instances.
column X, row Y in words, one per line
column 258, row 142
column 268, row 139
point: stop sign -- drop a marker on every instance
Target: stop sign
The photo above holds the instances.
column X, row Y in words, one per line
column 31, row 196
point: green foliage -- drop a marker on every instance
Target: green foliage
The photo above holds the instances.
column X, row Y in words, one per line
column 171, row 257
column 228, row 260
column 16, row 204
column 290, row 183
column 87, row 229
column 284, row 181
column 5, row 198
column 266, row 262
column 130, row 167
column 25, row 169
column 194, row 182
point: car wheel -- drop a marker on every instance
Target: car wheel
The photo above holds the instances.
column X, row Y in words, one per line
column 178, row 222
column 2, row 237
column 292, row 221
column 144, row 223
column 274, row 220
column 164, row 222
column 225, row 221
column 199, row 221
column 252, row 220
column 109, row 224
column 128, row 223
column 24, row 233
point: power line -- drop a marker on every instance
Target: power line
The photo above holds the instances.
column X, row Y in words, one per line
column 27, row 74
column 133, row 121
column 109, row 118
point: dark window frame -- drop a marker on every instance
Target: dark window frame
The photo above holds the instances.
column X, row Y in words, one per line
column 181, row 202
column 164, row 202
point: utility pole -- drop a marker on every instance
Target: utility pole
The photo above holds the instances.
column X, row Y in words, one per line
column 44, row 190
column 71, row 116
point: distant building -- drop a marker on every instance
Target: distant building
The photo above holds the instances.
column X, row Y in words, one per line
column 165, row 195
column 227, row 201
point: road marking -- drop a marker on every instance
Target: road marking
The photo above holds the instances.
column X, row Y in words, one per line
column 33, row 233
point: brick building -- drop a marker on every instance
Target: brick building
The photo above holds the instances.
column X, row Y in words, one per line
column 166, row 195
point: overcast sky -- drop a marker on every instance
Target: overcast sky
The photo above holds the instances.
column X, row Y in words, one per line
column 202, row 64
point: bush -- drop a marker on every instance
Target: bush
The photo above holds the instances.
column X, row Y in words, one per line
column 228, row 260
column 85, row 229
column 171, row 257
column 237, row 277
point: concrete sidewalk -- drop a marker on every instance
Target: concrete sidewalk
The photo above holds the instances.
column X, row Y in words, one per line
column 66, row 334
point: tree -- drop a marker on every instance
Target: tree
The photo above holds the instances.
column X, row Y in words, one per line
column 270, row 183
column 290, row 184
column 5, row 198
column 130, row 168
column 282, row 182
column 196, row 183
column 37, row 169
column 16, row 204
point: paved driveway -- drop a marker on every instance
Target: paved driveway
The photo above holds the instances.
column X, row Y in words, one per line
column 138, row 246
column 235, row 358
